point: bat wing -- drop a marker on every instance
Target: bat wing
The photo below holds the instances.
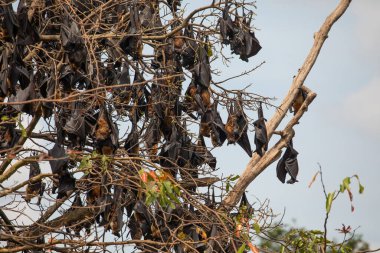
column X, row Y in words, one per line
column 59, row 158
column 291, row 164
column 243, row 141
column 252, row 45
column 281, row 171
column 66, row 184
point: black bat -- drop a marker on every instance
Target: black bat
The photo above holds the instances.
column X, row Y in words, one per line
column 27, row 33
column 288, row 164
column 237, row 126
column 202, row 70
column 10, row 22
column 153, row 137
column 59, row 159
column 77, row 227
column 64, row 180
column 206, row 122
column 226, row 25
column 73, row 44
column 116, row 219
column 132, row 44
column 261, row 136
column 190, row 49
column 36, row 188
column 75, row 126
column 218, row 133
column 66, row 184
column 132, row 142
column 8, row 136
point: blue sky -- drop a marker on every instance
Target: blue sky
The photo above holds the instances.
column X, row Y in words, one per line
column 341, row 130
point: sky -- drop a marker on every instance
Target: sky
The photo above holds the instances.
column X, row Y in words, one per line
column 341, row 129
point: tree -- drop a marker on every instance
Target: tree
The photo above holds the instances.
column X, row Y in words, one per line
column 116, row 162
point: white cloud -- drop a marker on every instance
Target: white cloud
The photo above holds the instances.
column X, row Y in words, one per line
column 361, row 109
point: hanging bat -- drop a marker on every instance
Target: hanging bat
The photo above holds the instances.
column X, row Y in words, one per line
column 59, row 159
column 77, row 227
column 36, row 188
column 140, row 222
column 206, row 122
column 261, row 136
column 8, row 136
column 106, row 133
column 73, row 44
column 132, row 44
column 288, row 164
column 226, row 25
column 75, row 126
column 202, row 70
column 27, row 33
column 189, row 51
column 66, row 184
column 10, row 22
column 153, row 137
column 298, row 101
column 237, row 127
column 117, row 209
column 218, row 133
column 132, row 142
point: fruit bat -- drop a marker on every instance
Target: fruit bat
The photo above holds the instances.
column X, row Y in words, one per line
column 75, row 125
column 8, row 136
column 218, row 134
column 78, row 226
column 226, row 25
column 27, row 33
column 106, row 133
column 66, row 184
column 288, row 164
column 189, row 51
column 245, row 43
column 73, row 44
column 237, row 127
column 132, row 44
column 205, row 125
column 261, row 137
column 170, row 150
column 116, row 219
column 140, row 222
column 64, row 180
column 33, row 189
column 298, row 101
column 202, row 70
column 10, row 22
column 153, row 137
column 202, row 155
column 59, row 159
column 132, row 141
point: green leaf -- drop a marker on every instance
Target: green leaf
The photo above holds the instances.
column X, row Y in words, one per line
column 227, row 187
column 4, row 118
column 361, row 188
column 234, row 178
column 256, row 227
column 346, row 183
column 209, row 50
column 282, row 249
column 329, row 201
column 241, row 249
column 23, row 130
